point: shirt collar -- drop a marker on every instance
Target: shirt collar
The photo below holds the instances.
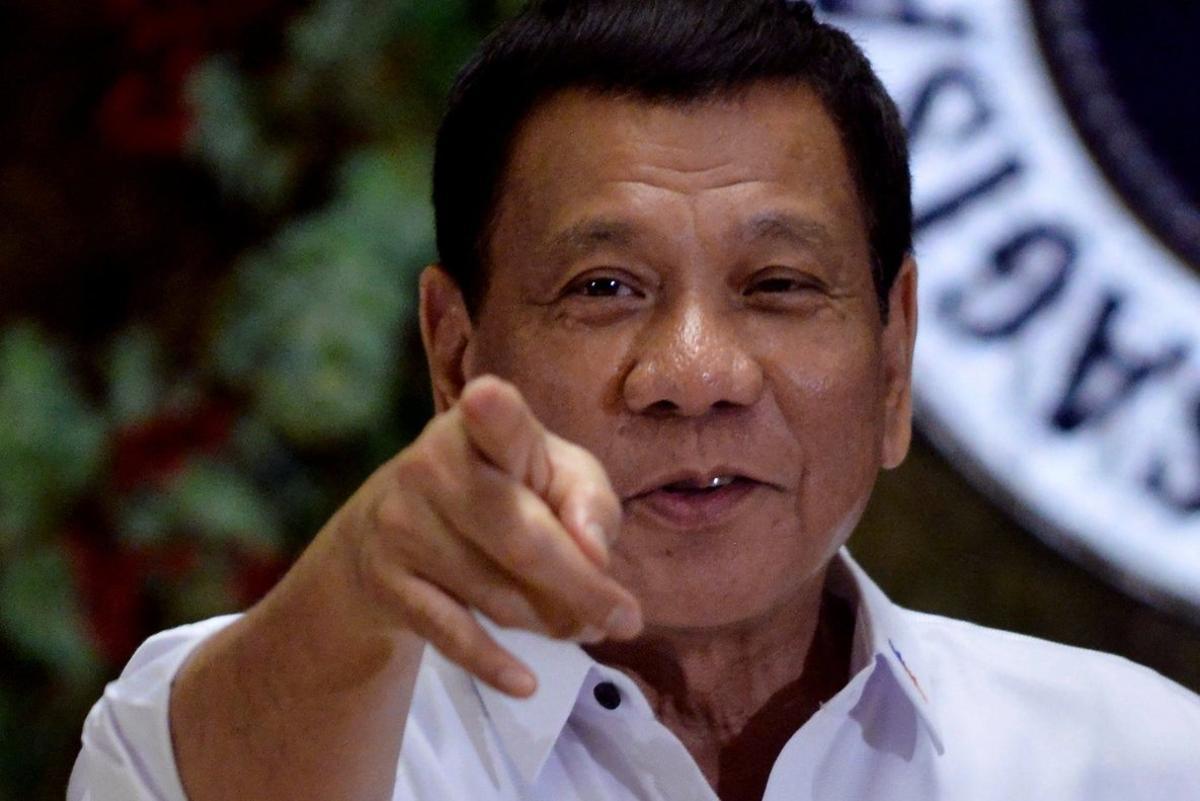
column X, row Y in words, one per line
column 884, row 633
column 528, row 728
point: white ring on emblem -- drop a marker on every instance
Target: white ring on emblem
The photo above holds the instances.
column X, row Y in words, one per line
column 1116, row 488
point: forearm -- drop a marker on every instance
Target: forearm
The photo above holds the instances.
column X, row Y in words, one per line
column 301, row 699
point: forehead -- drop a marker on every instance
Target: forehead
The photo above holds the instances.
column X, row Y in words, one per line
column 633, row 162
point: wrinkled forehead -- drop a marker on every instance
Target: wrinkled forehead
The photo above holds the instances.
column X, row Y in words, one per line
column 585, row 164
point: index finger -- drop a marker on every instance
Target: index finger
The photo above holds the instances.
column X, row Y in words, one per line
column 504, row 430
column 501, row 426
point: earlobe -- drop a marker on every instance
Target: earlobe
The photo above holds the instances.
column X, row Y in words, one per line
column 447, row 333
column 899, row 340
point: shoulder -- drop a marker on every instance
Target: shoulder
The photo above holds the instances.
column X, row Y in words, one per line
column 1030, row 664
column 1085, row 711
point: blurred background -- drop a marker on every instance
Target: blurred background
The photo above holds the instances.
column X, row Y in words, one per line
column 211, row 220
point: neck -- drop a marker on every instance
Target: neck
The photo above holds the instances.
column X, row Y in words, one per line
column 736, row 694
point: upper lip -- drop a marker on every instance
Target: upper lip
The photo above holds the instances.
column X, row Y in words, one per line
column 657, row 481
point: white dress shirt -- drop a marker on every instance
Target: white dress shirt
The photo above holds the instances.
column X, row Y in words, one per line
column 935, row 709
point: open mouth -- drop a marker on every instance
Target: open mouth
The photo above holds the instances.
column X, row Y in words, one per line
column 701, row 487
column 697, row 502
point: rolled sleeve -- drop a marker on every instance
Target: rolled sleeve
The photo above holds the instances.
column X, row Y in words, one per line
column 127, row 753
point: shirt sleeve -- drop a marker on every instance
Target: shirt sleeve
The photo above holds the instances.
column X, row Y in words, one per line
column 127, row 753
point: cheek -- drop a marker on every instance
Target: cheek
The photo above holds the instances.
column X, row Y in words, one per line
column 832, row 402
column 569, row 379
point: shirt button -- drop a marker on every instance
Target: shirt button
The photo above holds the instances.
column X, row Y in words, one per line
column 607, row 695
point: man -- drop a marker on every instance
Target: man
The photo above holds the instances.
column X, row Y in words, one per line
column 675, row 303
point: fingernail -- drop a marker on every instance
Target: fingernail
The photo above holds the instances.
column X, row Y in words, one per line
column 624, row 621
column 517, row 682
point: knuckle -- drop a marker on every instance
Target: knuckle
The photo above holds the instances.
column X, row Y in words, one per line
column 438, row 426
column 439, row 475
column 523, row 551
column 391, row 513
column 506, row 608
column 437, row 440
column 560, row 626
column 411, row 468
column 374, row 580
column 428, row 470
column 391, row 550
column 439, row 618
column 455, row 637
column 407, row 463
column 419, row 612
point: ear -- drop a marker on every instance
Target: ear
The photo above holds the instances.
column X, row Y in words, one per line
column 899, row 337
column 447, row 333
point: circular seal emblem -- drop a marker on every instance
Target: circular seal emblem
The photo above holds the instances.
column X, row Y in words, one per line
column 1121, row 69
column 1057, row 196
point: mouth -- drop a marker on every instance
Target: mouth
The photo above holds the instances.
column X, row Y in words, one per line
column 701, row 485
column 696, row 501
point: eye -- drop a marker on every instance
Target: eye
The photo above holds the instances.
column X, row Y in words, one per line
column 780, row 284
column 773, row 285
column 604, row 287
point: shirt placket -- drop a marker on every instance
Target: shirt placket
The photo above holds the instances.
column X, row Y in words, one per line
column 662, row 767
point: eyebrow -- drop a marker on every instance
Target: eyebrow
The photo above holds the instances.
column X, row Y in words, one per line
column 788, row 228
column 590, row 234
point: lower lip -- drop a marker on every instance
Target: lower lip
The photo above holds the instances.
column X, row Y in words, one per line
column 698, row 509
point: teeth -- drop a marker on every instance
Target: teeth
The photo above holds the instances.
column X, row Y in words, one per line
column 716, row 482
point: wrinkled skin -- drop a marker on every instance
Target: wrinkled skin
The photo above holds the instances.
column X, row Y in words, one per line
column 688, row 287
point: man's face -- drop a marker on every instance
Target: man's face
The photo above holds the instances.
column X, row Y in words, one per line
column 686, row 292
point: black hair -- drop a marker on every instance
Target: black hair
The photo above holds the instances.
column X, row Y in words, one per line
column 675, row 51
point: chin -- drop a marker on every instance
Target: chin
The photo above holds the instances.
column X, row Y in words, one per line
column 701, row 604
column 681, row 594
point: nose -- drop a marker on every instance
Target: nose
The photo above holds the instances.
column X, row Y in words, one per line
column 692, row 360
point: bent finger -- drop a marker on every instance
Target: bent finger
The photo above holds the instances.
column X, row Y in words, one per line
column 448, row 626
column 519, row 531
column 458, row 566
